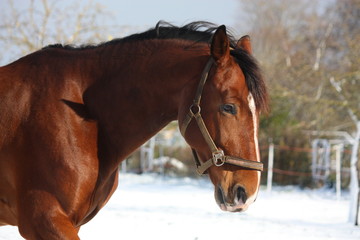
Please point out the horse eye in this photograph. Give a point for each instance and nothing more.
(228, 108)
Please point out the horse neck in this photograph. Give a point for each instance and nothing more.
(140, 90)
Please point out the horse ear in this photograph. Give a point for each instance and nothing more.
(245, 43)
(220, 44)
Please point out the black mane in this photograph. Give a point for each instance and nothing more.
(197, 32)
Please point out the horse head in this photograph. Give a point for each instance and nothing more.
(222, 123)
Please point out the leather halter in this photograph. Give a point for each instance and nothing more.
(218, 157)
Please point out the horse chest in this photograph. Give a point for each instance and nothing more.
(101, 195)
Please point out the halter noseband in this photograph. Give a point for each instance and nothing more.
(218, 157)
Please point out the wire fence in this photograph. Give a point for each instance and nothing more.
(294, 165)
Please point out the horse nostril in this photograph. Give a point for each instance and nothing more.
(240, 194)
(220, 195)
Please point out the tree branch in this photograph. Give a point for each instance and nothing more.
(342, 98)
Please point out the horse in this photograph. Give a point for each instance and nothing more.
(71, 114)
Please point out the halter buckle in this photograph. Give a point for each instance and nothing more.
(218, 158)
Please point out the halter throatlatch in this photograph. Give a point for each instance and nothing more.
(218, 157)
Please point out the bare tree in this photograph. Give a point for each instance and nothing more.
(28, 26)
(345, 79)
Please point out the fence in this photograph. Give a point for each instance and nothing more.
(325, 162)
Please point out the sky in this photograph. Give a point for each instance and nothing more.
(145, 12)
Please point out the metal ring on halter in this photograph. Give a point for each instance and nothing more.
(218, 158)
(198, 108)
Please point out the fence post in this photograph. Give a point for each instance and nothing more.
(270, 167)
(338, 150)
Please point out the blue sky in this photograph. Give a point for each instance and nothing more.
(145, 12)
(148, 12)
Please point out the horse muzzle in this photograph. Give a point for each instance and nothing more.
(234, 201)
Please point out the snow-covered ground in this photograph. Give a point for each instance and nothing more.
(154, 207)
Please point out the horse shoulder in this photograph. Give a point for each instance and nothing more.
(14, 105)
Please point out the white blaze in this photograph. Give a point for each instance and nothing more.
(252, 107)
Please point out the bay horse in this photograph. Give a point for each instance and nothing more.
(69, 115)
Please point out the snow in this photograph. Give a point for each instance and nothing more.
(155, 207)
